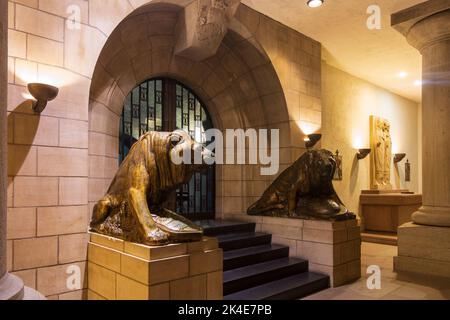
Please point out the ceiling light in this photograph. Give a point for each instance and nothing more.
(315, 3)
(402, 74)
(418, 83)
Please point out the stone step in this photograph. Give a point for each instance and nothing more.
(235, 241)
(251, 255)
(289, 288)
(218, 227)
(257, 274)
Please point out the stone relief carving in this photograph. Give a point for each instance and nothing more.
(133, 208)
(304, 190)
(203, 26)
(381, 155)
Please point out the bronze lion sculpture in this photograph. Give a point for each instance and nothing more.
(133, 209)
(304, 190)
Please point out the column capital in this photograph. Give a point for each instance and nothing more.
(424, 24)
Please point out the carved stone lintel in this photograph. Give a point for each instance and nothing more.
(202, 27)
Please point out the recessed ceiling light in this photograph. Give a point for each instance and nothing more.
(315, 3)
(418, 83)
(402, 74)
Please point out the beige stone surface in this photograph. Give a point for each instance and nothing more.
(394, 286)
(193, 288)
(53, 280)
(30, 129)
(28, 191)
(91, 295)
(154, 272)
(73, 133)
(72, 248)
(60, 8)
(109, 242)
(124, 271)
(45, 51)
(17, 44)
(155, 253)
(73, 191)
(75, 295)
(22, 160)
(104, 257)
(340, 88)
(39, 23)
(28, 277)
(21, 223)
(102, 280)
(205, 262)
(62, 162)
(423, 249)
(35, 252)
(61, 220)
(214, 289)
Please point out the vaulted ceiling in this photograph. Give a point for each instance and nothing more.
(382, 57)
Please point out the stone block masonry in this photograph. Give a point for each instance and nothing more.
(121, 270)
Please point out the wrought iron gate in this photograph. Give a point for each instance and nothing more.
(165, 105)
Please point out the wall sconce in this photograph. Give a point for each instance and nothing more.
(43, 93)
(362, 153)
(312, 139)
(399, 157)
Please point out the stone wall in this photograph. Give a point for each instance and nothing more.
(347, 104)
(263, 76)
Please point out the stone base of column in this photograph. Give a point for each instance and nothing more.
(121, 270)
(423, 249)
(432, 216)
(11, 287)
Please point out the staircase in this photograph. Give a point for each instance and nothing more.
(256, 269)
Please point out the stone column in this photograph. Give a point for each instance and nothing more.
(431, 36)
(423, 246)
(11, 287)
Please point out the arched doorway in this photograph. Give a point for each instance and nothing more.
(164, 104)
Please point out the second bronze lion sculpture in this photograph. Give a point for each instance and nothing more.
(304, 190)
(133, 208)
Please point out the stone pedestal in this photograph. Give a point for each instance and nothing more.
(423, 249)
(386, 212)
(426, 27)
(332, 248)
(120, 270)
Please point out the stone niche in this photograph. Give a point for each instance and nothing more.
(121, 270)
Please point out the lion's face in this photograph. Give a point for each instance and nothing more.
(321, 170)
(193, 156)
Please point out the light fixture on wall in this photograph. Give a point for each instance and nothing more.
(399, 157)
(312, 139)
(362, 153)
(43, 93)
(315, 3)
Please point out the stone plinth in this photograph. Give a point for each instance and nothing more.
(423, 249)
(386, 212)
(332, 248)
(121, 270)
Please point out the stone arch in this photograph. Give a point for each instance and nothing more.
(238, 85)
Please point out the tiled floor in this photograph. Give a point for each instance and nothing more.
(393, 286)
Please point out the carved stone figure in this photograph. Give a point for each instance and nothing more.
(381, 155)
(304, 190)
(133, 206)
(202, 27)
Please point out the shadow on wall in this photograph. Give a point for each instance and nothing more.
(354, 174)
(16, 157)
